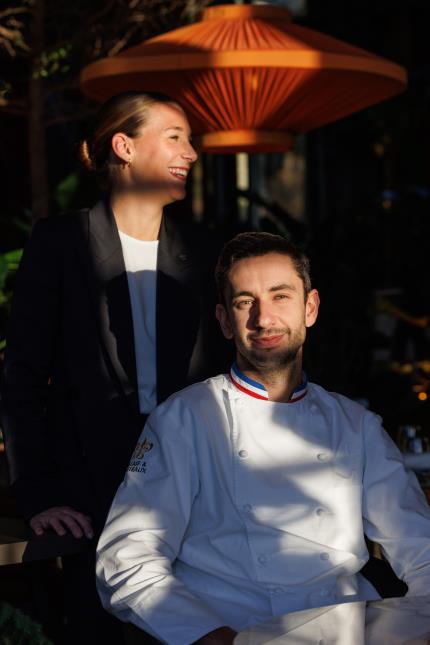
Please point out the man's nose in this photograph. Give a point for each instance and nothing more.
(263, 315)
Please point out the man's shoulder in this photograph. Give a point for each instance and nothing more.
(354, 410)
(197, 392)
(193, 399)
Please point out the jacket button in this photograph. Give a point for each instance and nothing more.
(243, 454)
(324, 556)
(320, 511)
(322, 456)
(262, 559)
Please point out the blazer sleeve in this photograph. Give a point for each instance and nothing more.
(144, 532)
(31, 340)
(395, 511)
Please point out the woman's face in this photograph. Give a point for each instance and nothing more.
(162, 154)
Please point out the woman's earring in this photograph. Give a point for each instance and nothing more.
(129, 163)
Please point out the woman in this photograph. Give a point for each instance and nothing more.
(112, 313)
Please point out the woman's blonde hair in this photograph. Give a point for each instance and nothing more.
(126, 112)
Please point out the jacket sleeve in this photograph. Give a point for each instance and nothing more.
(33, 326)
(144, 533)
(395, 511)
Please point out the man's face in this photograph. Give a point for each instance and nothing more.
(266, 311)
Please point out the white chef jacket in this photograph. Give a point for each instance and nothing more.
(395, 621)
(236, 509)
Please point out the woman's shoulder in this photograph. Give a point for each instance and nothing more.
(61, 221)
(54, 228)
(204, 243)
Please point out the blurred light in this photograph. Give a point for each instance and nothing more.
(378, 149)
(386, 204)
(423, 396)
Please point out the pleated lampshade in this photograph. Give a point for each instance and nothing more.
(248, 78)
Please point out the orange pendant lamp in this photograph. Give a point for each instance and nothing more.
(248, 78)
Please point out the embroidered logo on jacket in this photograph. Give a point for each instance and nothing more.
(137, 465)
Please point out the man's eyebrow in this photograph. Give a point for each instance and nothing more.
(174, 127)
(283, 287)
(240, 294)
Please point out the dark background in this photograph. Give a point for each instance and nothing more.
(367, 194)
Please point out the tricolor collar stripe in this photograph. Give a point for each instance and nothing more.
(249, 392)
(297, 397)
(258, 391)
(300, 391)
(246, 379)
(247, 385)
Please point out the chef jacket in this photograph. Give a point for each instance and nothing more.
(236, 509)
(395, 621)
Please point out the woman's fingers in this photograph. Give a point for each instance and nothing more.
(62, 519)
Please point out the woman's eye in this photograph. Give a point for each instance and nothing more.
(174, 136)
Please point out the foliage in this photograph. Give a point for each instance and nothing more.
(52, 40)
(18, 629)
(66, 191)
(9, 263)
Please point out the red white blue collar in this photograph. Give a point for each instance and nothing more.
(258, 391)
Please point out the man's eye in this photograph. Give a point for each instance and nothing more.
(174, 136)
(281, 296)
(241, 304)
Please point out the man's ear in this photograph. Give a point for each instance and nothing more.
(224, 321)
(312, 307)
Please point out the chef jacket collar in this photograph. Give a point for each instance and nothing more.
(258, 391)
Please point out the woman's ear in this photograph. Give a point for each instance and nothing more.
(122, 147)
(224, 321)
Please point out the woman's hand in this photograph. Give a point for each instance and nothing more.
(220, 636)
(62, 519)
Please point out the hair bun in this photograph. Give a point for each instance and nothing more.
(85, 156)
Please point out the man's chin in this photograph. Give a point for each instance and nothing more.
(271, 358)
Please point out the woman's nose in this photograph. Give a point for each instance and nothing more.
(190, 154)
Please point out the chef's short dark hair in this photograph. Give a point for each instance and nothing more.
(256, 244)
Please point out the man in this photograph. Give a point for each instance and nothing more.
(248, 495)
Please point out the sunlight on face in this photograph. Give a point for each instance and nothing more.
(163, 154)
(267, 314)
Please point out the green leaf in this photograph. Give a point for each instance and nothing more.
(13, 258)
(4, 270)
(66, 190)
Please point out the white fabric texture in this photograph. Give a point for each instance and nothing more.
(235, 510)
(140, 258)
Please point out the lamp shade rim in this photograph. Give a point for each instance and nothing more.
(245, 140)
(297, 59)
(234, 11)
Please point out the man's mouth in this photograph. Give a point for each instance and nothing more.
(179, 173)
(267, 341)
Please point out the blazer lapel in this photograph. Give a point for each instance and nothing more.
(178, 307)
(107, 280)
